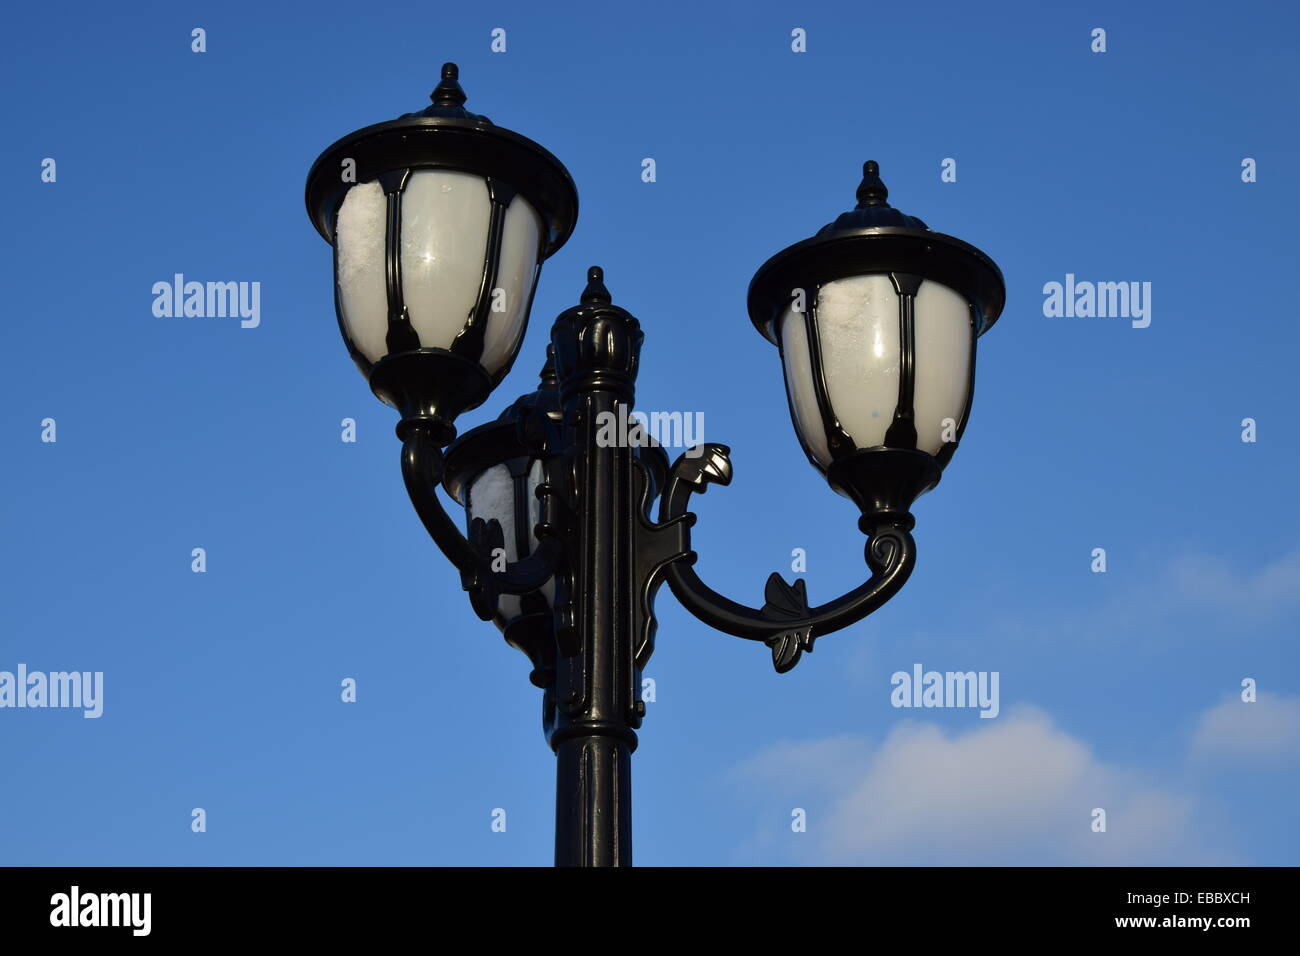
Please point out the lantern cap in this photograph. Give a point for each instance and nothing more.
(448, 99)
(873, 209)
(874, 239)
(444, 135)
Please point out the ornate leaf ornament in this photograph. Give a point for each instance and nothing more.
(787, 603)
(485, 537)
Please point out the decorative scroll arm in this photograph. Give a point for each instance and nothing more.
(422, 469)
(785, 623)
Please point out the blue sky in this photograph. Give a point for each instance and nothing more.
(1118, 690)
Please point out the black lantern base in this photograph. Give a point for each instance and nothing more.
(430, 388)
(883, 483)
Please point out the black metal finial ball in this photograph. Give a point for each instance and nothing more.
(549, 378)
(872, 191)
(449, 92)
(596, 291)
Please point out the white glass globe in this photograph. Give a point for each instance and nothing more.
(445, 219)
(859, 339)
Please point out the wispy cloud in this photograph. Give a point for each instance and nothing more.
(1191, 586)
(1208, 581)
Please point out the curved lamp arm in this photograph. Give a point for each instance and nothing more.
(785, 623)
(422, 469)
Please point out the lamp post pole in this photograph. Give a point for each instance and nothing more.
(605, 630)
(596, 692)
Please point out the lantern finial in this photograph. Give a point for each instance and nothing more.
(549, 378)
(449, 93)
(872, 191)
(596, 291)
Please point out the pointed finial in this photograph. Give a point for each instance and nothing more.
(596, 291)
(872, 191)
(549, 377)
(449, 93)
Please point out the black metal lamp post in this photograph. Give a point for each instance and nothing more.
(439, 222)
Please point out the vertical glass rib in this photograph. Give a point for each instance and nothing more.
(902, 430)
(402, 336)
(469, 340)
(837, 439)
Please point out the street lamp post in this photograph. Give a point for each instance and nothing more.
(440, 221)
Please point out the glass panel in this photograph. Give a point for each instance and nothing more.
(857, 325)
(799, 385)
(943, 344)
(361, 281)
(515, 278)
(444, 243)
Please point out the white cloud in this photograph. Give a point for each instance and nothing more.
(1013, 791)
(1264, 732)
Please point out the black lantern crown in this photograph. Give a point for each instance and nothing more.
(597, 344)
